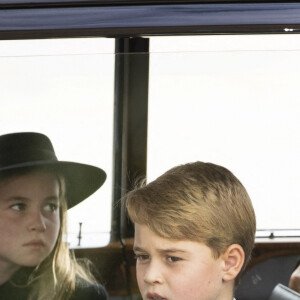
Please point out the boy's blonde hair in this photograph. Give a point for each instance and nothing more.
(201, 202)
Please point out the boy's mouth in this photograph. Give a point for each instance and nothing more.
(154, 296)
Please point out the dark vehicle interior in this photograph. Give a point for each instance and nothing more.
(132, 24)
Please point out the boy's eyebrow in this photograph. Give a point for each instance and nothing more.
(138, 249)
(171, 250)
(167, 250)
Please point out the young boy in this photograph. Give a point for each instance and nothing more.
(194, 233)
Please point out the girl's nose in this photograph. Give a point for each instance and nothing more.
(36, 222)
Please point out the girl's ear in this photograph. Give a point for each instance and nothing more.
(233, 260)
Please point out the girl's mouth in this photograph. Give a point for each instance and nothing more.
(154, 296)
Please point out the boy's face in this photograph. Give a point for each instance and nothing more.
(176, 270)
(29, 219)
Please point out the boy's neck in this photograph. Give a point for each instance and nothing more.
(227, 291)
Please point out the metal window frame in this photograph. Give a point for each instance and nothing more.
(92, 18)
(127, 21)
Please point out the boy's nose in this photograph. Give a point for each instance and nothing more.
(153, 274)
(36, 222)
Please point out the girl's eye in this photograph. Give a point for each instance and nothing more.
(51, 207)
(141, 257)
(18, 206)
(173, 259)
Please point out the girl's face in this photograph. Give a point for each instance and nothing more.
(29, 219)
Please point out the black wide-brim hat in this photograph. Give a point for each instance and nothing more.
(23, 150)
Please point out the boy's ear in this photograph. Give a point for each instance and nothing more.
(233, 260)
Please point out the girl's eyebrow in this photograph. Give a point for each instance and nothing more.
(20, 198)
(52, 198)
(17, 198)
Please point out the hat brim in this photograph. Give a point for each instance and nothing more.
(81, 180)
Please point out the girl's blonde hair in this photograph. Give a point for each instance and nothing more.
(55, 278)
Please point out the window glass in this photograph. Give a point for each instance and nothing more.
(64, 88)
(233, 101)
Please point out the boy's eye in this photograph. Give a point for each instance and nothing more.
(18, 206)
(173, 259)
(51, 207)
(141, 257)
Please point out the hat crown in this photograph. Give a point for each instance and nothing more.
(25, 147)
(22, 150)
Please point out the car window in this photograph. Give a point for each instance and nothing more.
(231, 100)
(64, 88)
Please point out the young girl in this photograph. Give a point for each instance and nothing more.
(35, 191)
